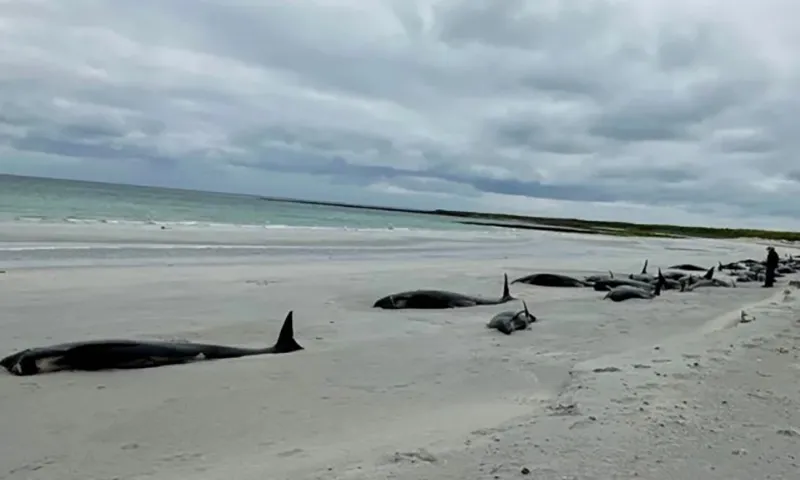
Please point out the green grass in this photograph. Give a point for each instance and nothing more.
(576, 225)
(624, 229)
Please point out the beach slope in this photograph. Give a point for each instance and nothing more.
(669, 388)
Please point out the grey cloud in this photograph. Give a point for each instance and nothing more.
(473, 102)
(671, 114)
(745, 141)
(639, 173)
(542, 138)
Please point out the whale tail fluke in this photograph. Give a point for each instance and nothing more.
(286, 342)
(530, 317)
(506, 291)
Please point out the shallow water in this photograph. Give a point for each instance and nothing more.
(42, 200)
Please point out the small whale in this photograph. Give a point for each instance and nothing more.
(551, 280)
(688, 267)
(713, 282)
(731, 266)
(510, 321)
(642, 276)
(707, 280)
(668, 283)
(674, 275)
(626, 292)
(438, 299)
(591, 279)
(610, 283)
(97, 355)
(690, 280)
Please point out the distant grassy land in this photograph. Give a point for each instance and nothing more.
(575, 225)
(616, 228)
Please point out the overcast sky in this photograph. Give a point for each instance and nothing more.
(641, 110)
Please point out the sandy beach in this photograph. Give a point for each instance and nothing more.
(670, 388)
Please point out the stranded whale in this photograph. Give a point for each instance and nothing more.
(627, 292)
(435, 299)
(510, 321)
(96, 355)
(551, 280)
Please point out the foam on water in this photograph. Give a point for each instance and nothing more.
(38, 200)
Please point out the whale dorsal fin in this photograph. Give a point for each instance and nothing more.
(286, 342)
(506, 292)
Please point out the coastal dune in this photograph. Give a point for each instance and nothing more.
(407, 394)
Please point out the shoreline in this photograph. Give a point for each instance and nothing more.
(41, 245)
(577, 225)
(375, 394)
(457, 219)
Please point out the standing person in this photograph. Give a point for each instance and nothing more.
(772, 264)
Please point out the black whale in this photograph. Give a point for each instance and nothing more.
(436, 299)
(129, 354)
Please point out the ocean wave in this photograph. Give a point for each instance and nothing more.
(432, 230)
(143, 246)
(202, 224)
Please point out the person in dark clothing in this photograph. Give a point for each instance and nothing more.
(772, 264)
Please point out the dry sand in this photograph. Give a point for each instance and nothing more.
(673, 388)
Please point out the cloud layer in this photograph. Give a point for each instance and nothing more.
(647, 110)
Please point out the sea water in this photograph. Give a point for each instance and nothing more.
(28, 199)
(49, 222)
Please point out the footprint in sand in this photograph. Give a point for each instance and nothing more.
(414, 456)
(723, 351)
(561, 409)
(649, 386)
(625, 400)
(606, 370)
(291, 453)
(583, 423)
(182, 457)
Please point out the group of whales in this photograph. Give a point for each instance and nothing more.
(96, 355)
(112, 354)
(642, 285)
(646, 285)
